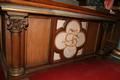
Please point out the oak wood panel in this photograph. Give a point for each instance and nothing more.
(37, 41)
(92, 37)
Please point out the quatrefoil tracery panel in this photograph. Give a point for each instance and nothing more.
(70, 39)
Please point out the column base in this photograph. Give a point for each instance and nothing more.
(16, 72)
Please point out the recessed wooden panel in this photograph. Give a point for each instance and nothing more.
(92, 37)
(37, 41)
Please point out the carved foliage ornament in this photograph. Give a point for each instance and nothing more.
(16, 23)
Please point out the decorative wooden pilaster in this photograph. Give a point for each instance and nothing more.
(16, 24)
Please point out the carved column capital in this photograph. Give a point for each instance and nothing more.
(16, 22)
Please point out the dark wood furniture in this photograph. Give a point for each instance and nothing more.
(37, 34)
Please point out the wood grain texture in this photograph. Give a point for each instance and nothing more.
(92, 35)
(16, 57)
(22, 48)
(37, 41)
(8, 47)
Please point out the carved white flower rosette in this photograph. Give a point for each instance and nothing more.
(70, 39)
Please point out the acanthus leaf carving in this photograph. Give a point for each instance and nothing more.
(16, 23)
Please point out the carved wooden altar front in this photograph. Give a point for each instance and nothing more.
(39, 34)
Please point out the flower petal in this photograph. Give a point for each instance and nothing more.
(80, 39)
(69, 52)
(73, 27)
(60, 40)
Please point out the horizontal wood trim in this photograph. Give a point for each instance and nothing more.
(60, 6)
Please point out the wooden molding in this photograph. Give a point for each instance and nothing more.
(60, 6)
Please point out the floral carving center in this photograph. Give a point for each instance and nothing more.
(71, 38)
